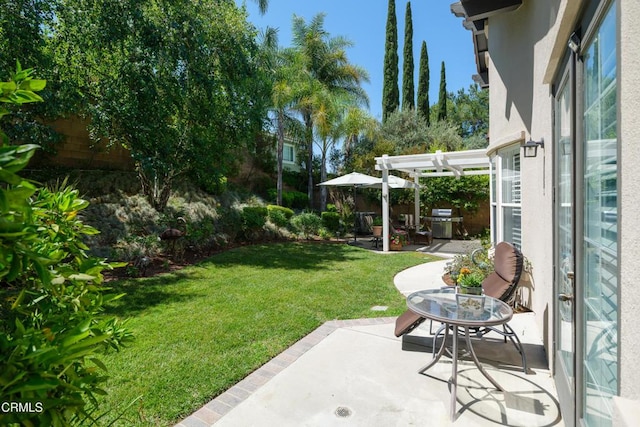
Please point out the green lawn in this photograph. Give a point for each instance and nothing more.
(202, 329)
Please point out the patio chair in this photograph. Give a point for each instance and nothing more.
(395, 231)
(501, 284)
(424, 235)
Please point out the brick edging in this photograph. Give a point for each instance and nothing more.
(214, 410)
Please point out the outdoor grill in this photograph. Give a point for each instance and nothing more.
(442, 223)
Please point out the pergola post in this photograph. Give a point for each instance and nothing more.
(416, 199)
(385, 210)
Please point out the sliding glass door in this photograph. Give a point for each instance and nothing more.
(586, 226)
(600, 235)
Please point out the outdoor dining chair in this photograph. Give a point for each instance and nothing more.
(424, 235)
(396, 231)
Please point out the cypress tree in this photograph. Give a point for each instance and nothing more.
(408, 92)
(390, 91)
(423, 83)
(442, 100)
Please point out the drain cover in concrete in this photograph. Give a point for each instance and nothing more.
(343, 411)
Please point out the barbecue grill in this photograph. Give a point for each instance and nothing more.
(442, 223)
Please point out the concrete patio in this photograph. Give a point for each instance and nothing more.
(357, 373)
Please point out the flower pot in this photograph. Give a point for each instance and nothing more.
(475, 290)
(377, 230)
(395, 246)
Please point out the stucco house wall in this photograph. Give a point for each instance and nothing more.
(629, 188)
(526, 49)
(521, 109)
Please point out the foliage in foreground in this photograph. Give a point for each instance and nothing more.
(204, 328)
(51, 299)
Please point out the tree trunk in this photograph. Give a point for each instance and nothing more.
(157, 189)
(308, 121)
(280, 157)
(323, 177)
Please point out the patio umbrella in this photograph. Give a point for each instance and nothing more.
(395, 182)
(355, 180)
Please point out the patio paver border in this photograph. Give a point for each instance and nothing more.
(211, 412)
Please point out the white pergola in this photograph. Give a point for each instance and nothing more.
(455, 163)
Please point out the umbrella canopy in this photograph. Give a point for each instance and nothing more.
(395, 182)
(353, 179)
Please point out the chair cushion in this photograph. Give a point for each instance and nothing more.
(507, 261)
(407, 322)
(495, 286)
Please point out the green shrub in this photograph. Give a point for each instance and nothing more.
(132, 249)
(229, 224)
(253, 220)
(51, 298)
(278, 218)
(288, 213)
(325, 234)
(299, 200)
(331, 220)
(290, 199)
(307, 223)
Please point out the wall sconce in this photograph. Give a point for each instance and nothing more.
(574, 43)
(531, 147)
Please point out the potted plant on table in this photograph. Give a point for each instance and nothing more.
(470, 281)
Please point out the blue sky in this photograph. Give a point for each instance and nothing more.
(363, 22)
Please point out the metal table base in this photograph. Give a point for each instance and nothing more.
(454, 364)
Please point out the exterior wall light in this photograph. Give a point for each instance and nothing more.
(574, 43)
(531, 147)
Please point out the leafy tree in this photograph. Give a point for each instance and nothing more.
(471, 111)
(442, 98)
(408, 92)
(460, 193)
(329, 72)
(390, 92)
(423, 84)
(409, 134)
(24, 27)
(407, 131)
(176, 82)
(444, 135)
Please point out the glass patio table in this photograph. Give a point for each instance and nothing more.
(457, 311)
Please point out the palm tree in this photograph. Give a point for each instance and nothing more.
(357, 122)
(287, 71)
(262, 5)
(328, 116)
(327, 67)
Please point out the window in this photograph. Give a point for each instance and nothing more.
(506, 196)
(288, 153)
